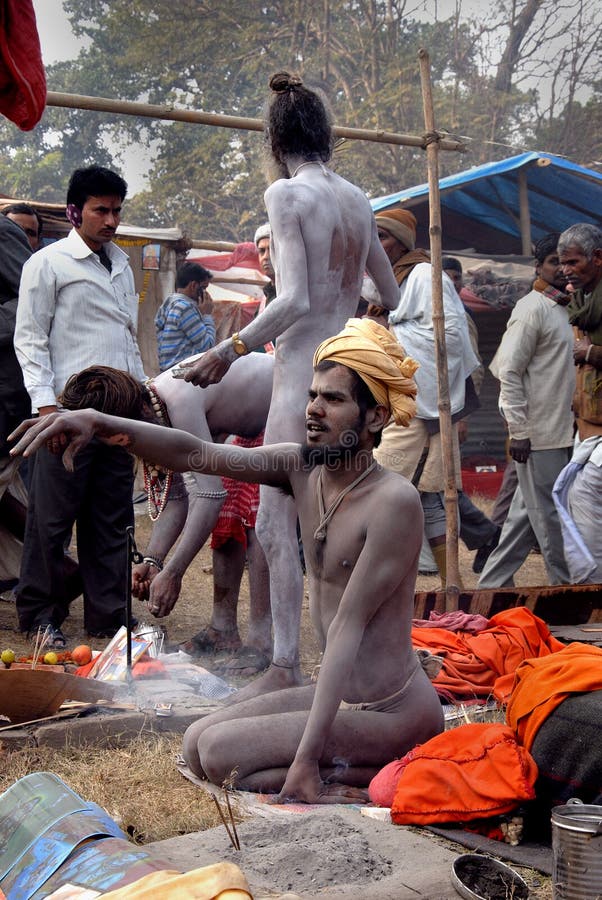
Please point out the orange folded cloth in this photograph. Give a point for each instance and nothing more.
(473, 663)
(470, 772)
(542, 684)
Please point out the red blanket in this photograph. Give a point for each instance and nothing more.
(478, 665)
(22, 76)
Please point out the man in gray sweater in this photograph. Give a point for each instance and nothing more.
(534, 364)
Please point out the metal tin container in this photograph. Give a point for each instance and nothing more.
(577, 848)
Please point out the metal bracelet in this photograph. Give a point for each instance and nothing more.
(211, 495)
(153, 561)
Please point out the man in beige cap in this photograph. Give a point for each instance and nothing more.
(416, 451)
(372, 701)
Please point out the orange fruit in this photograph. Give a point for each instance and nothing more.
(81, 655)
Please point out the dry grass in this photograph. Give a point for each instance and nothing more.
(139, 785)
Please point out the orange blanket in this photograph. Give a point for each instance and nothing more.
(542, 684)
(471, 772)
(478, 665)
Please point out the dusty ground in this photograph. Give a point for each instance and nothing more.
(313, 857)
(194, 606)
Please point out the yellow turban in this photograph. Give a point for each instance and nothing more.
(379, 360)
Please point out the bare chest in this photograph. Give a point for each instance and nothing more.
(333, 542)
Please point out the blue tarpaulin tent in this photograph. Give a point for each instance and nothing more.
(500, 207)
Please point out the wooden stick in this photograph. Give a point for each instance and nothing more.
(35, 649)
(445, 423)
(41, 640)
(223, 818)
(230, 813)
(60, 714)
(153, 111)
(213, 245)
(525, 215)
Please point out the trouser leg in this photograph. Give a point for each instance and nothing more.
(435, 529)
(476, 529)
(107, 511)
(584, 503)
(55, 497)
(536, 479)
(515, 542)
(505, 494)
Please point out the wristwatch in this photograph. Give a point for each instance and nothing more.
(238, 345)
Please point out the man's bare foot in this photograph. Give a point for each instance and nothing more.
(210, 640)
(275, 679)
(246, 662)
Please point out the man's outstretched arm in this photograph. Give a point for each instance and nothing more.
(170, 448)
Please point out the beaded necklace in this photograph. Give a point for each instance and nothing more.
(327, 514)
(312, 162)
(157, 481)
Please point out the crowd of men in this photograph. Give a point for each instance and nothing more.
(358, 465)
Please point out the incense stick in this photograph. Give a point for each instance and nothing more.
(226, 788)
(40, 643)
(223, 818)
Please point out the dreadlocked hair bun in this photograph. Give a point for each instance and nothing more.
(107, 390)
(283, 81)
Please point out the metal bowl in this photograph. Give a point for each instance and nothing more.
(479, 877)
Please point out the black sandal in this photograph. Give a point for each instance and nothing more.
(55, 639)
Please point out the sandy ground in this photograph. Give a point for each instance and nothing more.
(334, 852)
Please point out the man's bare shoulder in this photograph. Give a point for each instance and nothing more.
(287, 187)
(395, 490)
(280, 188)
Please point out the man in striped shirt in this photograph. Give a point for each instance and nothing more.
(184, 322)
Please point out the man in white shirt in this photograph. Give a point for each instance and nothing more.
(77, 307)
(534, 364)
(416, 451)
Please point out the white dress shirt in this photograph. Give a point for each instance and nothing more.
(73, 313)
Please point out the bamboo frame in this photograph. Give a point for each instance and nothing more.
(433, 143)
(451, 495)
(525, 215)
(170, 113)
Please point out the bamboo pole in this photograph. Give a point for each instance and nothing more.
(451, 495)
(152, 111)
(220, 246)
(525, 215)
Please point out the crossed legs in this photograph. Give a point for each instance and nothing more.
(254, 742)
